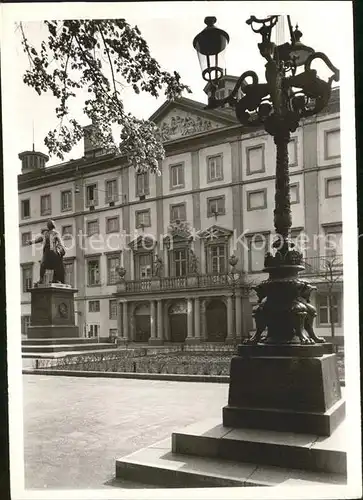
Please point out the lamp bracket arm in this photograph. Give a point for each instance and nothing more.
(325, 58)
(267, 24)
(231, 98)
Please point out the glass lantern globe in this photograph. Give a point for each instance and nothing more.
(210, 45)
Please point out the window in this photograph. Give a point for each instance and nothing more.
(180, 262)
(91, 195)
(297, 237)
(93, 268)
(93, 331)
(216, 206)
(332, 144)
(45, 205)
(143, 218)
(215, 168)
(257, 247)
(294, 193)
(177, 176)
(142, 183)
(94, 306)
(27, 277)
(112, 225)
(25, 237)
(333, 187)
(255, 159)
(257, 200)
(292, 152)
(66, 200)
(69, 272)
(92, 227)
(217, 263)
(220, 94)
(67, 231)
(144, 269)
(333, 241)
(111, 190)
(113, 332)
(25, 209)
(113, 261)
(328, 309)
(113, 309)
(177, 212)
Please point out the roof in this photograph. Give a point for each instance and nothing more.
(195, 107)
(84, 165)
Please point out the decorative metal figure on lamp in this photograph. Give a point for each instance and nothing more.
(278, 105)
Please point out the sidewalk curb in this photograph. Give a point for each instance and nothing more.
(178, 377)
(224, 379)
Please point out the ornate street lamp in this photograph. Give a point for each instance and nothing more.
(278, 105)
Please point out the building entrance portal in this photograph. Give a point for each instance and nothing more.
(216, 313)
(142, 323)
(178, 321)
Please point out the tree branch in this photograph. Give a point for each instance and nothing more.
(109, 58)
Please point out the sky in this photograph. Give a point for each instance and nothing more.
(169, 29)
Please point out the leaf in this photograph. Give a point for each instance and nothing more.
(86, 55)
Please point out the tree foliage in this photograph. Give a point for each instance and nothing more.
(101, 57)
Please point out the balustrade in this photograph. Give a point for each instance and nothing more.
(320, 265)
(180, 283)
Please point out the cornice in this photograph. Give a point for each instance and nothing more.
(232, 131)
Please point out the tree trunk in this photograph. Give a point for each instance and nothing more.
(332, 325)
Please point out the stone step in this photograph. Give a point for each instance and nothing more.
(158, 465)
(66, 347)
(211, 439)
(51, 341)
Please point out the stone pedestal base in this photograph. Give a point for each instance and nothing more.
(52, 312)
(52, 332)
(192, 341)
(291, 388)
(156, 342)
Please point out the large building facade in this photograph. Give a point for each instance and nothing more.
(172, 258)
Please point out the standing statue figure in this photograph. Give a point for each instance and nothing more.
(53, 253)
(158, 265)
(193, 262)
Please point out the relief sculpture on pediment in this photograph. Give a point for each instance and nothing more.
(181, 126)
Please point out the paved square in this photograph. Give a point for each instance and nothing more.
(76, 427)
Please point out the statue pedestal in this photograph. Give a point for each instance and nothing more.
(52, 312)
(285, 388)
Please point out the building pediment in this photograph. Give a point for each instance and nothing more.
(178, 231)
(184, 117)
(143, 243)
(215, 233)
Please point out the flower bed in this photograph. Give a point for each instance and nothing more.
(144, 360)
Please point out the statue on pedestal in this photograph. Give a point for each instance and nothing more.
(193, 262)
(53, 253)
(158, 266)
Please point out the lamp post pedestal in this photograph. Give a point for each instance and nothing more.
(285, 387)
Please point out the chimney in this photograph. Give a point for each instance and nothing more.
(91, 149)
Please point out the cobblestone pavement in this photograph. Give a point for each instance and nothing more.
(75, 428)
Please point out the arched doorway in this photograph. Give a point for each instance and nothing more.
(216, 314)
(142, 323)
(178, 321)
